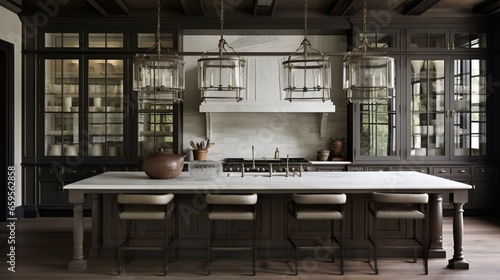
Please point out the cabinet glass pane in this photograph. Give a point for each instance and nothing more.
(427, 108)
(61, 94)
(105, 92)
(428, 40)
(378, 129)
(379, 40)
(62, 40)
(469, 107)
(105, 40)
(469, 40)
(156, 127)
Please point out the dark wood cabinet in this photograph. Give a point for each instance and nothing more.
(85, 117)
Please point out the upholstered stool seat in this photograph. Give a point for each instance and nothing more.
(145, 207)
(400, 206)
(319, 207)
(231, 207)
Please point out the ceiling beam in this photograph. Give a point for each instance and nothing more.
(487, 7)
(110, 7)
(98, 7)
(417, 7)
(340, 7)
(14, 6)
(189, 7)
(264, 7)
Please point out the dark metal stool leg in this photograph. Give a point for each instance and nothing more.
(209, 251)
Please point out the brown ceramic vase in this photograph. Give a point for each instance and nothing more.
(162, 165)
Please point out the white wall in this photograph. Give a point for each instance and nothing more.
(10, 31)
(296, 134)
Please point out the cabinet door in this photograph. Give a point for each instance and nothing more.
(427, 107)
(105, 107)
(468, 108)
(437, 39)
(375, 133)
(157, 127)
(61, 95)
(468, 39)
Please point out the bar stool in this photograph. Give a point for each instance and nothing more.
(231, 207)
(400, 206)
(134, 207)
(320, 207)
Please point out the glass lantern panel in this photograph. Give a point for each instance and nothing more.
(222, 77)
(306, 78)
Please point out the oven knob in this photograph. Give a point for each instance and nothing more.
(264, 169)
(283, 169)
(293, 168)
(238, 169)
(247, 169)
(230, 169)
(257, 169)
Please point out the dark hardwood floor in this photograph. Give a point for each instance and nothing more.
(44, 247)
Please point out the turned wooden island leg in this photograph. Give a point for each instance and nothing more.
(78, 263)
(436, 226)
(458, 261)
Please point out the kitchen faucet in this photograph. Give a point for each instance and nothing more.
(253, 157)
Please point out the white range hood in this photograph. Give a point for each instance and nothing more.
(257, 106)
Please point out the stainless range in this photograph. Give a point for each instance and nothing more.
(266, 165)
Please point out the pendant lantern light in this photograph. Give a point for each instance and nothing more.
(368, 76)
(306, 72)
(159, 78)
(222, 76)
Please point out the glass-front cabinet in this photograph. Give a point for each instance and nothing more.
(83, 109)
(447, 107)
(445, 39)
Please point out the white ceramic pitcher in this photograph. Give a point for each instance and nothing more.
(95, 149)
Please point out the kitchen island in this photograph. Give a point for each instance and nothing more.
(353, 184)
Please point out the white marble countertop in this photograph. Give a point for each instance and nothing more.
(350, 182)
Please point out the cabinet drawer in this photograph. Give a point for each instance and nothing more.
(441, 171)
(378, 168)
(482, 171)
(461, 171)
(355, 168)
(411, 168)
